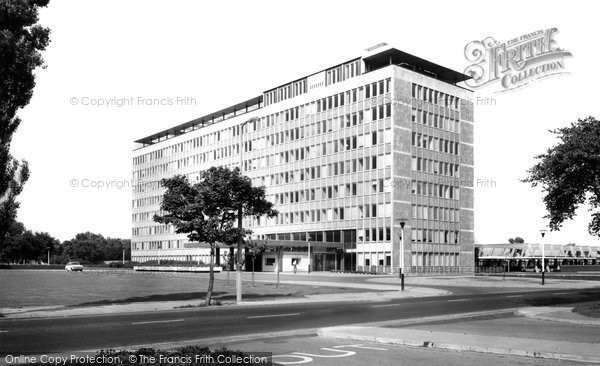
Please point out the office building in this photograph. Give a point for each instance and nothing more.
(352, 156)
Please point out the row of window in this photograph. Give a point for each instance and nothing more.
(433, 166)
(421, 212)
(435, 190)
(285, 92)
(327, 103)
(371, 210)
(435, 143)
(334, 191)
(342, 72)
(435, 236)
(433, 96)
(435, 120)
(345, 144)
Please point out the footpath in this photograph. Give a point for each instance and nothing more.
(538, 332)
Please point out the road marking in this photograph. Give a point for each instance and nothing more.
(559, 293)
(272, 316)
(515, 296)
(458, 300)
(159, 321)
(3, 331)
(384, 305)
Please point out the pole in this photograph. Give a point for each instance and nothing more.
(401, 256)
(48, 256)
(238, 278)
(309, 257)
(123, 255)
(543, 258)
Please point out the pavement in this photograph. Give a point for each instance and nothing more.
(534, 333)
(493, 282)
(562, 314)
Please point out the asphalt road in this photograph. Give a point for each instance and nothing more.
(53, 335)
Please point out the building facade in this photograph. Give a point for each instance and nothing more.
(369, 163)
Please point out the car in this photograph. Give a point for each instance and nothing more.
(74, 266)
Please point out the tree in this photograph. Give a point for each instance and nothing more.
(569, 173)
(93, 248)
(256, 248)
(519, 240)
(21, 43)
(208, 210)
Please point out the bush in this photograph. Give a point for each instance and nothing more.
(167, 263)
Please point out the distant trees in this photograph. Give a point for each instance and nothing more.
(569, 173)
(23, 246)
(93, 248)
(516, 240)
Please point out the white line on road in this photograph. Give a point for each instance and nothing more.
(515, 296)
(3, 331)
(384, 305)
(559, 293)
(159, 321)
(458, 300)
(272, 316)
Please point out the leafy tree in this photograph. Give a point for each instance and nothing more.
(208, 210)
(91, 247)
(519, 240)
(511, 241)
(21, 43)
(569, 173)
(255, 248)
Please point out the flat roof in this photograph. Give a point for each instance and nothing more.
(394, 56)
(209, 119)
(390, 56)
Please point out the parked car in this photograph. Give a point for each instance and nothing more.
(74, 266)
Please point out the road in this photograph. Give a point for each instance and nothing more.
(52, 335)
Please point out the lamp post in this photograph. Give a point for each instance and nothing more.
(238, 280)
(401, 266)
(309, 257)
(543, 233)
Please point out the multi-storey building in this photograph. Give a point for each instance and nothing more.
(352, 156)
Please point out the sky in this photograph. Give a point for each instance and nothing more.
(214, 54)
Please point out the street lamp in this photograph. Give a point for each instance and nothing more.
(238, 280)
(309, 257)
(401, 267)
(543, 233)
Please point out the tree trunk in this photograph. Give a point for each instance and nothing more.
(253, 272)
(278, 265)
(211, 278)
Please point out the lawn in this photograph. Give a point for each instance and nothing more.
(590, 309)
(27, 288)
